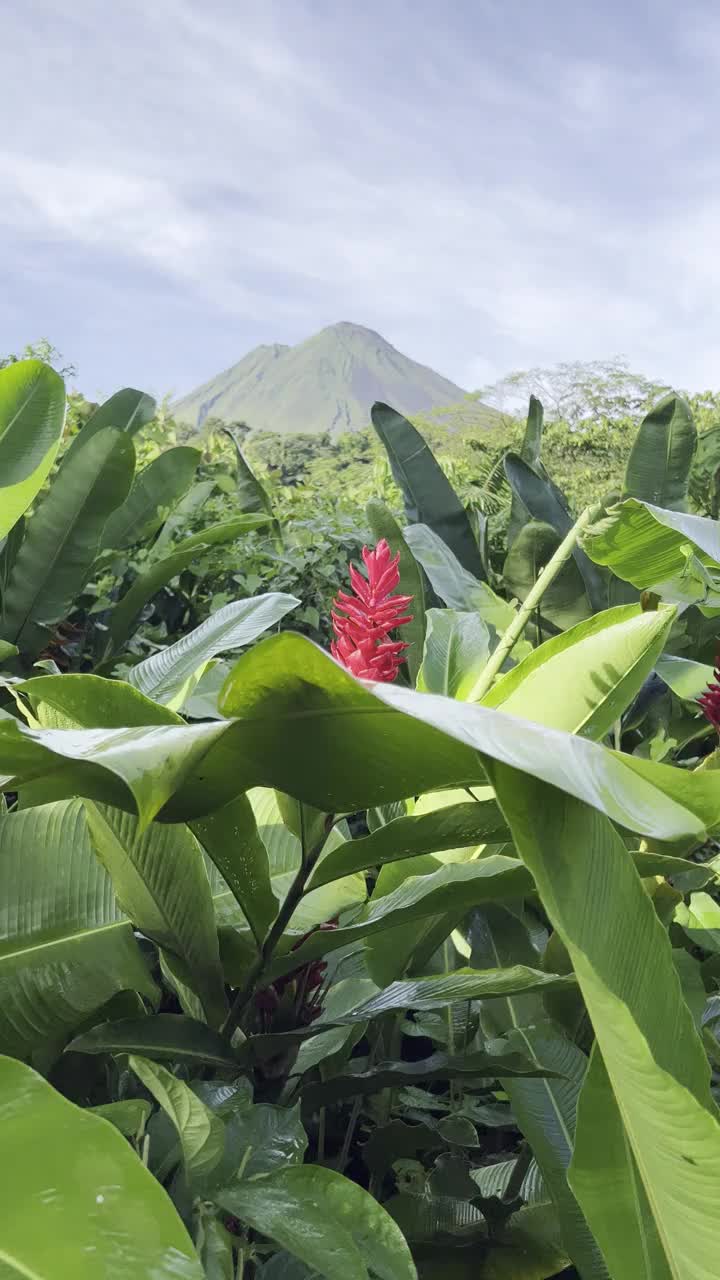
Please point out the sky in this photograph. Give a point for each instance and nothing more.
(490, 184)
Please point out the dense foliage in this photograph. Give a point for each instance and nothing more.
(304, 975)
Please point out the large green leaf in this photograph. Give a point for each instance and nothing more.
(79, 1202)
(83, 701)
(583, 680)
(32, 416)
(201, 1132)
(162, 571)
(251, 496)
(456, 827)
(384, 525)
(658, 469)
(437, 992)
(327, 1221)
(161, 1035)
(63, 537)
(452, 583)
(530, 453)
(310, 729)
(65, 946)
(127, 410)
(565, 602)
(545, 503)
(457, 647)
(160, 879)
(232, 841)
(669, 552)
(155, 492)
(165, 674)
(687, 679)
(427, 493)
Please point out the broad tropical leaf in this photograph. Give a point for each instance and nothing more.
(32, 416)
(457, 647)
(384, 525)
(80, 1203)
(164, 676)
(233, 843)
(658, 469)
(201, 1132)
(669, 552)
(565, 602)
(160, 1035)
(63, 538)
(530, 453)
(155, 492)
(427, 493)
(127, 410)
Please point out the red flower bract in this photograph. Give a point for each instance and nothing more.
(362, 622)
(710, 699)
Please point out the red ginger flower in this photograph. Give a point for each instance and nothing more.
(710, 699)
(362, 622)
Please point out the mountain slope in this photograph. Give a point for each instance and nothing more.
(327, 383)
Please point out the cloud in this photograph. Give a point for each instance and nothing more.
(490, 188)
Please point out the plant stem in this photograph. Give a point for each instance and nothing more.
(277, 929)
(517, 1177)
(509, 638)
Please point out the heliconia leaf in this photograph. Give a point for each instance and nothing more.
(32, 417)
(232, 841)
(384, 525)
(427, 493)
(65, 946)
(436, 992)
(84, 701)
(155, 492)
(651, 547)
(159, 1036)
(80, 1203)
(457, 647)
(251, 496)
(686, 678)
(63, 538)
(127, 410)
(294, 1206)
(452, 583)
(530, 453)
(658, 469)
(165, 673)
(201, 1132)
(565, 602)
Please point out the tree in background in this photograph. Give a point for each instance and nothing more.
(576, 390)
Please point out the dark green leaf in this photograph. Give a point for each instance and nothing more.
(658, 469)
(160, 1036)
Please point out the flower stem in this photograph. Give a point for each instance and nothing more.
(509, 638)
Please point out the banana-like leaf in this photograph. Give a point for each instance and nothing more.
(80, 1203)
(308, 728)
(427, 493)
(295, 1205)
(251, 496)
(160, 879)
(65, 946)
(658, 469)
(687, 679)
(232, 841)
(530, 453)
(452, 583)
(384, 525)
(545, 502)
(63, 538)
(84, 701)
(155, 492)
(32, 417)
(456, 827)
(565, 602)
(159, 1036)
(127, 410)
(188, 506)
(457, 647)
(160, 572)
(201, 1132)
(437, 992)
(165, 674)
(584, 679)
(669, 552)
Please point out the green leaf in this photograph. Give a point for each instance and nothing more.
(156, 490)
(461, 984)
(65, 946)
(127, 410)
(658, 469)
(457, 647)
(160, 572)
(159, 1036)
(32, 416)
(565, 602)
(75, 701)
(259, 1140)
(130, 1116)
(456, 827)
(251, 496)
(215, 1246)
(654, 549)
(384, 525)
(160, 879)
(546, 503)
(231, 840)
(80, 1203)
(295, 1207)
(427, 493)
(584, 679)
(530, 453)
(452, 583)
(201, 1133)
(687, 679)
(165, 673)
(63, 538)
